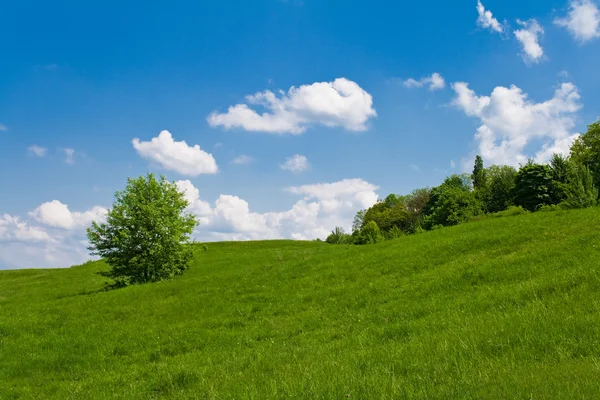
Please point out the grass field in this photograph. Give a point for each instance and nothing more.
(504, 308)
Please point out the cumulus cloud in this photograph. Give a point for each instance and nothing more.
(37, 150)
(582, 21)
(57, 215)
(176, 156)
(51, 237)
(435, 82)
(242, 160)
(296, 164)
(510, 122)
(341, 103)
(54, 236)
(486, 19)
(12, 228)
(322, 207)
(529, 37)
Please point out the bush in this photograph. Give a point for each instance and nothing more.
(338, 236)
(549, 208)
(146, 234)
(369, 234)
(393, 233)
(534, 186)
(451, 203)
(580, 191)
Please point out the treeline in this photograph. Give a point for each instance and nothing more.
(566, 182)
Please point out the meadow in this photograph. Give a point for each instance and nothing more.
(499, 308)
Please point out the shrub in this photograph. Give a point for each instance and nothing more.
(451, 203)
(393, 233)
(580, 191)
(338, 236)
(369, 234)
(534, 186)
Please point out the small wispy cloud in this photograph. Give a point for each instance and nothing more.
(414, 167)
(486, 19)
(296, 164)
(435, 82)
(529, 37)
(69, 156)
(242, 160)
(452, 164)
(3, 128)
(37, 150)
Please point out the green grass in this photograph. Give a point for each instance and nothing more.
(505, 308)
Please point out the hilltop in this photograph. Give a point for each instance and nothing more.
(499, 308)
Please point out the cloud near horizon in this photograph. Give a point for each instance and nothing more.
(510, 122)
(54, 236)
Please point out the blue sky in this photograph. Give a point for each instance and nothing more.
(519, 82)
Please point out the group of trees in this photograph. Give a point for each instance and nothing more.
(566, 182)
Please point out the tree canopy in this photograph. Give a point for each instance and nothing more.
(145, 236)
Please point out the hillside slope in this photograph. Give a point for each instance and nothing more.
(501, 308)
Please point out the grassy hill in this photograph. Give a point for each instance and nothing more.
(501, 308)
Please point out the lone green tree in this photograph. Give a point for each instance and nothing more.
(146, 234)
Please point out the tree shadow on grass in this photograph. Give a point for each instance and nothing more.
(107, 287)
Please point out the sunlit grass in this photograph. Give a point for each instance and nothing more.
(500, 308)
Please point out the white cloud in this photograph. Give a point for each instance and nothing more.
(323, 207)
(452, 164)
(3, 128)
(435, 82)
(53, 237)
(341, 103)
(296, 164)
(529, 37)
(486, 20)
(12, 228)
(69, 156)
(510, 122)
(582, 21)
(414, 167)
(243, 160)
(176, 156)
(57, 215)
(59, 239)
(37, 150)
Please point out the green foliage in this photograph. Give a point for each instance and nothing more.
(358, 221)
(586, 151)
(506, 308)
(501, 183)
(393, 233)
(534, 186)
(451, 203)
(415, 204)
(580, 191)
(479, 174)
(369, 234)
(560, 167)
(146, 235)
(510, 212)
(338, 236)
